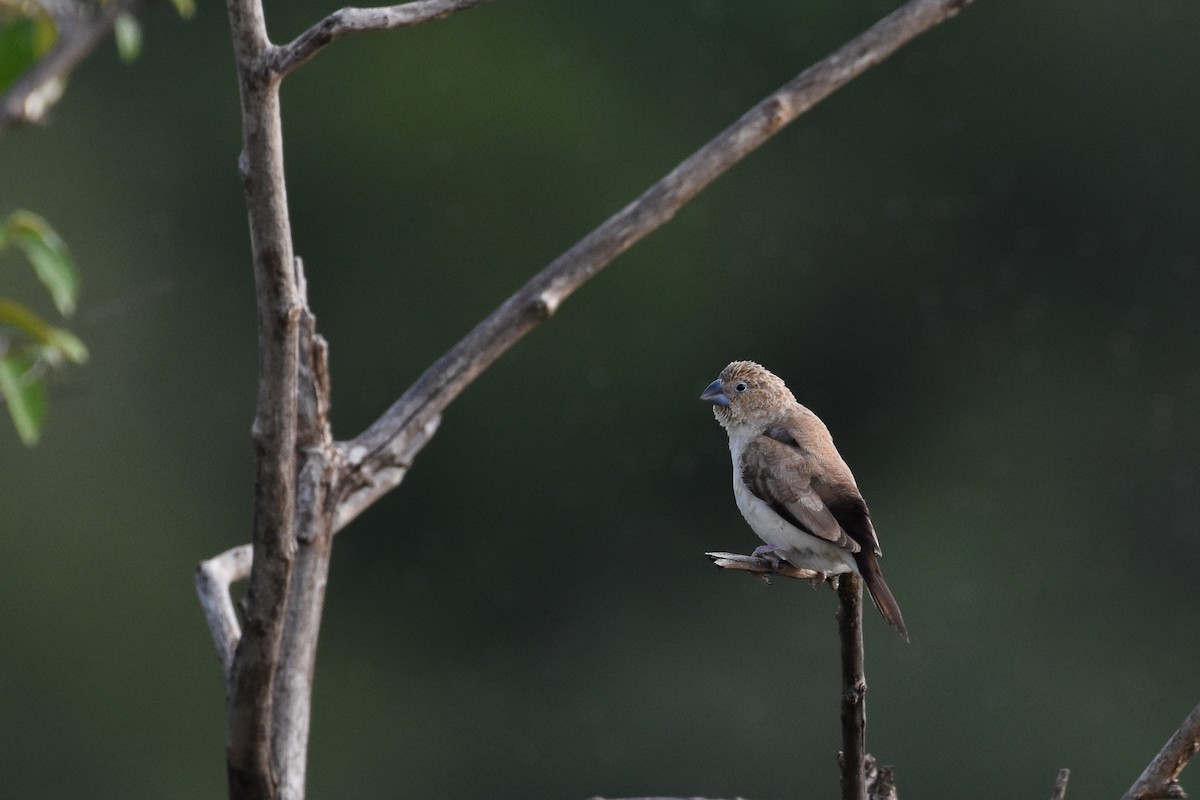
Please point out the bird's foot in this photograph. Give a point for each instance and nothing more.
(767, 553)
(820, 579)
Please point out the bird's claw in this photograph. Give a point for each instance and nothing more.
(767, 553)
(821, 577)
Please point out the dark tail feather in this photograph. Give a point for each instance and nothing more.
(872, 576)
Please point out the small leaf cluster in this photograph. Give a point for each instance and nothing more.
(30, 347)
(28, 32)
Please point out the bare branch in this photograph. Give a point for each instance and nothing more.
(213, 579)
(853, 759)
(1161, 777)
(347, 21)
(1060, 785)
(291, 708)
(81, 27)
(537, 300)
(251, 694)
(854, 689)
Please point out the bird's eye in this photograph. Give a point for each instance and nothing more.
(740, 386)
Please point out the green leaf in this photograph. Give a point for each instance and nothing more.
(68, 344)
(26, 399)
(128, 34)
(48, 253)
(20, 317)
(25, 36)
(186, 8)
(61, 343)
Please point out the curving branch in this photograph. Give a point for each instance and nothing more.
(81, 27)
(1161, 777)
(347, 21)
(213, 579)
(538, 299)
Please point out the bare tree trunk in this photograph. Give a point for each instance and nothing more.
(251, 768)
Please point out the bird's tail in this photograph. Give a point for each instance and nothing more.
(872, 576)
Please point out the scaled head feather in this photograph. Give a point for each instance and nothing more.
(756, 395)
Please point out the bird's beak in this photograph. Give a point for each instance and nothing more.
(714, 395)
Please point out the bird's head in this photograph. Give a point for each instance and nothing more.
(747, 394)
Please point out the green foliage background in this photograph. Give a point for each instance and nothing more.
(979, 264)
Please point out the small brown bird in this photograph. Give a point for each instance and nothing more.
(791, 484)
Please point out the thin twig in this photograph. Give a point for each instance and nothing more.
(762, 567)
(854, 688)
(213, 579)
(853, 758)
(81, 26)
(538, 299)
(1161, 777)
(1060, 784)
(347, 21)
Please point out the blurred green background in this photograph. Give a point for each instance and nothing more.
(979, 264)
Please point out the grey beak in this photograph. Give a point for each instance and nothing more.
(714, 395)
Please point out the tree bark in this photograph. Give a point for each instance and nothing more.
(854, 688)
(251, 767)
(1161, 776)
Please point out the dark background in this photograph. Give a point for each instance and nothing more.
(979, 264)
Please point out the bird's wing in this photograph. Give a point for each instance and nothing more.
(850, 510)
(781, 475)
(833, 482)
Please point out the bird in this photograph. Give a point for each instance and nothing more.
(793, 487)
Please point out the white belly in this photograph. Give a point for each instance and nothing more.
(797, 547)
